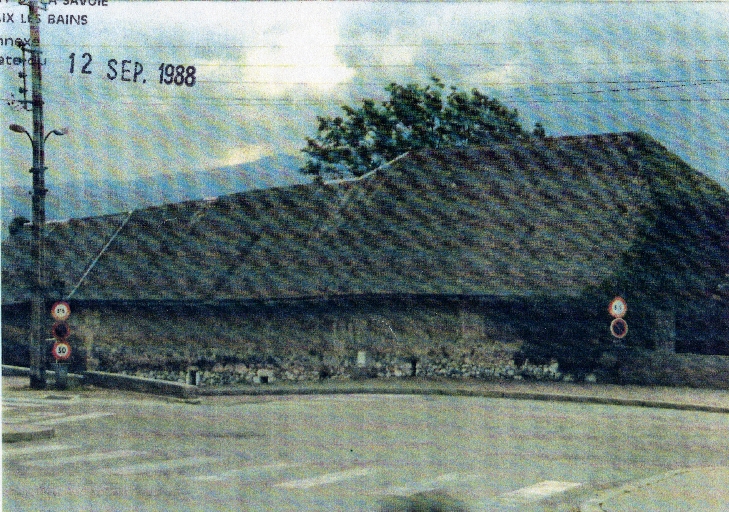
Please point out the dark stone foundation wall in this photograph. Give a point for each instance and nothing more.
(239, 343)
(310, 340)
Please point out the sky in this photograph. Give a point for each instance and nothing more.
(264, 71)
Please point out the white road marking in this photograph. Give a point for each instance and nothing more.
(31, 450)
(13, 403)
(164, 465)
(32, 417)
(83, 458)
(34, 402)
(325, 479)
(77, 417)
(539, 491)
(237, 473)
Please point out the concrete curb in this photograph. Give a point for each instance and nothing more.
(634, 488)
(186, 391)
(515, 395)
(117, 381)
(74, 379)
(141, 384)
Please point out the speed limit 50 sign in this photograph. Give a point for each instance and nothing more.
(61, 350)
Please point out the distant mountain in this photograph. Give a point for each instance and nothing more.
(90, 197)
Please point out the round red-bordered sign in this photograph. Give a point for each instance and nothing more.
(61, 331)
(618, 307)
(619, 328)
(60, 311)
(61, 350)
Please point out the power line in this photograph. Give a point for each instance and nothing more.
(414, 44)
(432, 64)
(629, 86)
(669, 83)
(157, 100)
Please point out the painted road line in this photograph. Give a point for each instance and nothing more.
(72, 419)
(326, 479)
(16, 403)
(538, 491)
(246, 472)
(34, 402)
(32, 450)
(84, 458)
(32, 417)
(164, 465)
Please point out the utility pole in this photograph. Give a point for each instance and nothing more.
(38, 300)
(37, 368)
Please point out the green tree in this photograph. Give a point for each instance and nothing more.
(16, 225)
(413, 117)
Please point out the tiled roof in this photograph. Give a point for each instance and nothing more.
(551, 216)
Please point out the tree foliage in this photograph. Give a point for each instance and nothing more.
(17, 224)
(413, 117)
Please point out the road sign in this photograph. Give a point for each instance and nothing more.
(61, 350)
(618, 307)
(61, 331)
(60, 311)
(619, 328)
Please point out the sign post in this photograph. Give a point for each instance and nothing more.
(61, 351)
(617, 309)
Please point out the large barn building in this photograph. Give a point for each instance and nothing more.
(520, 244)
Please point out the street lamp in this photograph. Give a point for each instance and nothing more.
(37, 369)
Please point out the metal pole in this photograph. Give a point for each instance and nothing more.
(37, 366)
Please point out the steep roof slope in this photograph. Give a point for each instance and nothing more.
(553, 216)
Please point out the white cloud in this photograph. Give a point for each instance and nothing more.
(242, 155)
(299, 49)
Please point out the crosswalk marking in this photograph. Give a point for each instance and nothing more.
(15, 404)
(74, 418)
(165, 465)
(325, 479)
(31, 417)
(539, 491)
(243, 472)
(32, 450)
(86, 457)
(37, 402)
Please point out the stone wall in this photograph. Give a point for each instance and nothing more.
(441, 363)
(661, 368)
(306, 341)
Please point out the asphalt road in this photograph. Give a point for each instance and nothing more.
(123, 451)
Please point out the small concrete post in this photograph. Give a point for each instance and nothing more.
(193, 377)
(664, 330)
(61, 375)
